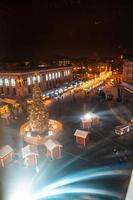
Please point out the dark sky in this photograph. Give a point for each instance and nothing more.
(46, 28)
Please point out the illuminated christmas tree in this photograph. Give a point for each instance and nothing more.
(38, 114)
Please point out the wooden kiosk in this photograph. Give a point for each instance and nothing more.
(82, 137)
(53, 149)
(122, 129)
(30, 154)
(86, 124)
(6, 155)
(89, 120)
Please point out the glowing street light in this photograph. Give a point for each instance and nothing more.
(50, 133)
(87, 116)
(21, 193)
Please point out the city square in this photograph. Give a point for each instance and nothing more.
(98, 152)
(66, 100)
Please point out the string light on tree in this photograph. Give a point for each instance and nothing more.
(38, 114)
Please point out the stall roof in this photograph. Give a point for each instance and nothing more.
(5, 150)
(81, 133)
(9, 101)
(29, 150)
(86, 120)
(51, 144)
(123, 126)
(5, 115)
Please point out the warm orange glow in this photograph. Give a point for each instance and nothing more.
(4, 109)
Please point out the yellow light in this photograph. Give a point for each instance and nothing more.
(4, 109)
(16, 105)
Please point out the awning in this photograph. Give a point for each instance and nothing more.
(127, 86)
(9, 101)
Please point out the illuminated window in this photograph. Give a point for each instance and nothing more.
(52, 75)
(13, 83)
(34, 79)
(68, 72)
(46, 77)
(38, 78)
(49, 76)
(28, 81)
(58, 74)
(1, 81)
(6, 82)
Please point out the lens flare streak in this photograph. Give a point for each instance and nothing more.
(95, 174)
(85, 175)
(71, 190)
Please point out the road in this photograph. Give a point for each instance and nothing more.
(98, 155)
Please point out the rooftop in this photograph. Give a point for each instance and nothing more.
(5, 150)
(51, 144)
(81, 133)
(23, 67)
(29, 150)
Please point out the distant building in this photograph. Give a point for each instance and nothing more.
(61, 62)
(18, 81)
(127, 81)
(128, 72)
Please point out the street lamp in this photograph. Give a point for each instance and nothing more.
(87, 116)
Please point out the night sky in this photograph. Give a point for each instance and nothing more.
(46, 28)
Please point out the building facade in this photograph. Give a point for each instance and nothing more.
(19, 84)
(128, 72)
(127, 82)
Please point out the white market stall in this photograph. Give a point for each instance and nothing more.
(82, 137)
(13, 104)
(122, 129)
(53, 149)
(89, 119)
(30, 154)
(6, 155)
